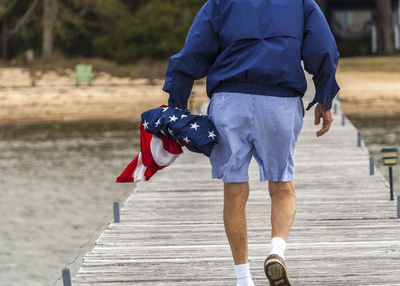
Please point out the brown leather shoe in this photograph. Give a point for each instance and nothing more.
(276, 272)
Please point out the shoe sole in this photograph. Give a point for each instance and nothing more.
(276, 273)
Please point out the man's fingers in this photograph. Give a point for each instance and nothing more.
(320, 111)
(317, 116)
(317, 120)
(326, 125)
(322, 131)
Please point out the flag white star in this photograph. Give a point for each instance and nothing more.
(173, 118)
(194, 126)
(170, 132)
(183, 116)
(165, 109)
(187, 140)
(202, 115)
(162, 132)
(177, 108)
(145, 125)
(158, 122)
(211, 134)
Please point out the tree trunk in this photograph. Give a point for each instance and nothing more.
(385, 26)
(50, 11)
(4, 40)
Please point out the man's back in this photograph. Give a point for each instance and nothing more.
(264, 38)
(259, 19)
(256, 46)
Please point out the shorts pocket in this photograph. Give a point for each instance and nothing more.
(211, 104)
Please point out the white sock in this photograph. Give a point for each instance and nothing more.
(243, 275)
(278, 246)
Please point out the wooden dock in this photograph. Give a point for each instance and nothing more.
(171, 230)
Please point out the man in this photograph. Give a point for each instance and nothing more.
(251, 52)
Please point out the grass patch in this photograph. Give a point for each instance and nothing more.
(370, 64)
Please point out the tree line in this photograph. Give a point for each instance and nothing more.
(119, 30)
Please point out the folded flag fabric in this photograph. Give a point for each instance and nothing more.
(156, 153)
(163, 132)
(197, 132)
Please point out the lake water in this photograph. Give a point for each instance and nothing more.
(57, 189)
(378, 132)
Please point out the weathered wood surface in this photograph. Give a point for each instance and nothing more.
(171, 230)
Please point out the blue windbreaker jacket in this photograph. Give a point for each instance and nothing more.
(256, 46)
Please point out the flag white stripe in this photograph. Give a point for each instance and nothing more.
(161, 156)
(139, 170)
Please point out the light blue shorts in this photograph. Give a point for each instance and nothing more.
(266, 127)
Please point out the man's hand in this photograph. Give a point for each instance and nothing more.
(321, 112)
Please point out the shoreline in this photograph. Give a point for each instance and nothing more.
(369, 92)
(55, 98)
(136, 119)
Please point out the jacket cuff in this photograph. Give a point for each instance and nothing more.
(311, 104)
(179, 88)
(325, 95)
(173, 103)
(328, 104)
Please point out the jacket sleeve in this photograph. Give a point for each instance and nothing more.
(320, 54)
(197, 55)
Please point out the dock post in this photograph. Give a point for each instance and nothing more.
(389, 156)
(359, 137)
(116, 211)
(371, 166)
(66, 275)
(343, 120)
(335, 109)
(391, 183)
(398, 207)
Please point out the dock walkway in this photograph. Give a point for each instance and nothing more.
(171, 230)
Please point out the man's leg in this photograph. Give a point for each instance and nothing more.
(235, 199)
(283, 209)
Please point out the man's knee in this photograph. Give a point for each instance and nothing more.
(236, 192)
(279, 188)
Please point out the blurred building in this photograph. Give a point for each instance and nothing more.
(354, 26)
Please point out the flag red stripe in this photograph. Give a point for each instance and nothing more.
(127, 174)
(165, 154)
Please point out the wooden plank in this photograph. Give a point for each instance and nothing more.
(171, 230)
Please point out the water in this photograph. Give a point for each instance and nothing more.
(378, 132)
(56, 188)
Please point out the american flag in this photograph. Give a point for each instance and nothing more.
(163, 132)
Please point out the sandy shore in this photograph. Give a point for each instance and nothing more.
(369, 92)
(55, 97)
